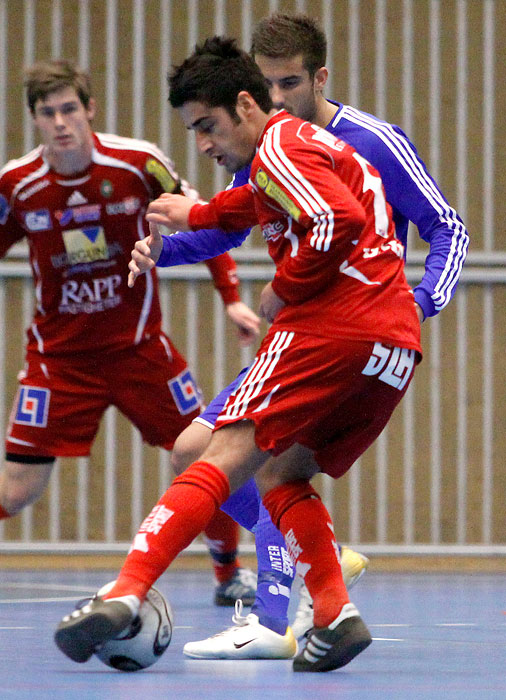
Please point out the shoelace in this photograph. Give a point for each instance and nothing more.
(237, 618)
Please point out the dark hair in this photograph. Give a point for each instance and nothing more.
(215, 74)
(46, 77)
(286, 36)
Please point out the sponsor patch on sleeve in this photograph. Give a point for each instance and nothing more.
(274, 191)
(33, 406)
(185, 392)
(155, 168)
(4, 209)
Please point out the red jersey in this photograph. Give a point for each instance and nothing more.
(80, 231)
(323, 213)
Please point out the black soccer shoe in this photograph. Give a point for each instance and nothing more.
(334, 646)
(79, 633)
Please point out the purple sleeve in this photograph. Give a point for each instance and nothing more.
(185, 247)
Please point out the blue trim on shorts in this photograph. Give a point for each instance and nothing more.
(211, 413)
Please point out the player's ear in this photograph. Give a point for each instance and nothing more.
(91, 109)
(245, 103)
(320, 78)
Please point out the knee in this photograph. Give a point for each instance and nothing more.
(17, 495)
(184, 453)
(179, 458)
(189, 446)
(21, 485)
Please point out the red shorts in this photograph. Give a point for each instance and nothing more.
(332, 396)
(60, 401)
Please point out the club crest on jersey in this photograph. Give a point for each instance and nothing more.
(33, 405)
(185, 392)
(161, 173)
(274, 191)
(106, 188)
(85, 245)
(38, 220)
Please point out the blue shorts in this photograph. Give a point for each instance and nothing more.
(210, 414)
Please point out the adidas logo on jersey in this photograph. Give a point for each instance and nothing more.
(75, 199)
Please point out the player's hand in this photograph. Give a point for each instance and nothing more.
(171, 210)
(419, 313)
(145, 254)
(270, 303)
(246, 320)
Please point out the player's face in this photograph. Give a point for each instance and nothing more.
(64, 122)
(290, 85)
(232, 144)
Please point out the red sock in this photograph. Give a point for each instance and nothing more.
(4, 514)
(296, 509)
(179, 516)
(222, 538)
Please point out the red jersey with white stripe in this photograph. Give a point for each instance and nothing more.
(80, 231)
(323, 213)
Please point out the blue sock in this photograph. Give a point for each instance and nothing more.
(243, 505)
(275, 575)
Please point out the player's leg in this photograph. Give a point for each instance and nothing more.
(156, 371)
(22, 481)
(268, 620)
(56, 413)
(263, 633)
(353, 566)
(297, 510)
(233, 582)
(180, 515)
(356, 420)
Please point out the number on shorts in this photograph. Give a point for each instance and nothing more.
(393, 365)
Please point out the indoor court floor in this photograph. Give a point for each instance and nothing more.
(435, 636)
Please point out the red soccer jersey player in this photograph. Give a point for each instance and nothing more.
(79, 200)
(339, 275)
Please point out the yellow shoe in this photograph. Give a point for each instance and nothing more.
(353, 565)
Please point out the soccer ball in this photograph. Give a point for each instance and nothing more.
(145, 640)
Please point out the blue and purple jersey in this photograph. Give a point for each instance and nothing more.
(410, 190)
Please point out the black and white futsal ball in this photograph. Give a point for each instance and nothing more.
(145, 640)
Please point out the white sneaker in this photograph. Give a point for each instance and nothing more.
(248, 639)
(353, 567)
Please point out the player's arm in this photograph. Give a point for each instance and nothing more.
(224, 273)
(185, 247)
(412, 191)
(229, 210)
(316, 198)
(220, 264)
(330, 230)
(188, 247)
(10, 231)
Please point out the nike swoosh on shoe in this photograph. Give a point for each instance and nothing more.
(238, 646)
